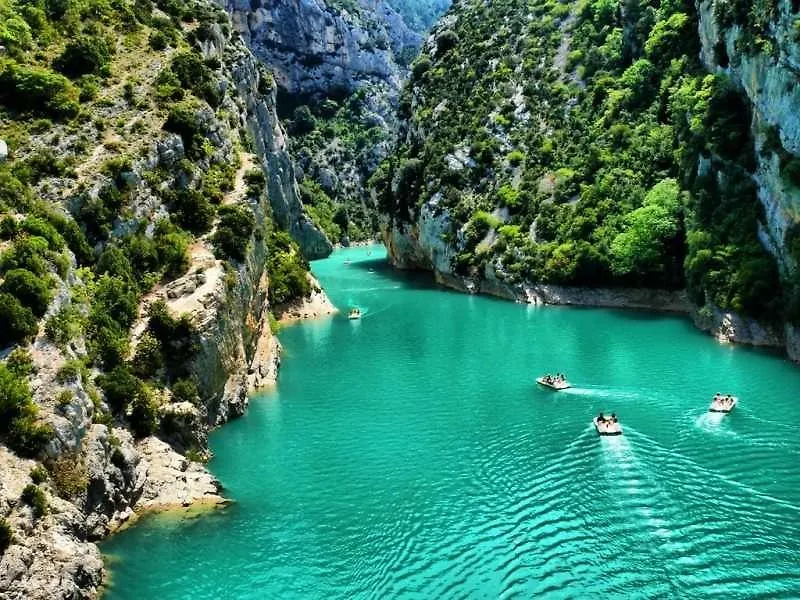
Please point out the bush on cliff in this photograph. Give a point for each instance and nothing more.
(38, 90)
(32, 291)
(178, 338)
(235, 226)
(69, 475)
(6, 536)
(287, 270)
(19, 323)
(83, 56)
(34, 497)
(120, 387)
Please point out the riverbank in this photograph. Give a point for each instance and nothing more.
(724, 326)
(312, 307)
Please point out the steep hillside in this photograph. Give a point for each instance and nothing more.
(339, 67)
(550, 145)
(148, 227)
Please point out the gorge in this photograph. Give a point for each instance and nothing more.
(168, 169)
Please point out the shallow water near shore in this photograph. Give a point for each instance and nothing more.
(410, 454)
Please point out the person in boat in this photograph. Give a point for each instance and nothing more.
(601, 418)
(613, 417)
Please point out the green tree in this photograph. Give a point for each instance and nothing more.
(33, 292)
(640, 248)
(83, 56)
(19, 322)
(233, 232)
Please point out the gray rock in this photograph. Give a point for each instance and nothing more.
(183, 424)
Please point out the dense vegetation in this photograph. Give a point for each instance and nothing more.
(80, 106)
(334, 142)
(586, 145)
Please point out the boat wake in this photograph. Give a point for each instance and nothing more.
(712, 423)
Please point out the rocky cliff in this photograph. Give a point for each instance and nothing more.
(344, 63)
(539, 156)
(103, 464)
(761, 53)
(314, 47)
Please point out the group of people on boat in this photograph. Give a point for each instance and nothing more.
(555, 379)
(724, 399)
(607, 425)
(722, 402)
(601, 418)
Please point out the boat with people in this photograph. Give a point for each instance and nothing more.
(555, 382)
(607, 425)
(355, 313)
(722, 403)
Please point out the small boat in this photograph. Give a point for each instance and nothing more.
(607, 426)
(348, 261)
(554, 383)
(354, 314)
(723, 404)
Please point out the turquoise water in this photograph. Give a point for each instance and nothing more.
(410, 455)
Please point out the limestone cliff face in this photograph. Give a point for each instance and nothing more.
(768, 77)
(317, 50)
(312, 47)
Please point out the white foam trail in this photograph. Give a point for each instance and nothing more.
(719, 476)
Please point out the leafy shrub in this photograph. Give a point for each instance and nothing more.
(64, 326)
(233, 232)
(71, 371)
(38, 474)
(19, 323)
(446, 41)
(83, 56)
(15, 396)
(34, 497)
(287, 270)
(28, 252)
(27, 436)
(185, 390)
(191, 210)
(178, 338)
(69, 475)
(120, 387)
(149, 359)
(183, 120)
(20, 362)
(421, 66)
(158, 40)
(38, 90)
(33, 292)
(6, 536)
(303, 122)
(144, 416)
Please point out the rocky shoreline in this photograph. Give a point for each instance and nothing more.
(724, 326)
(313, 307)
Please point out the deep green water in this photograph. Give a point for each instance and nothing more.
(410, 455)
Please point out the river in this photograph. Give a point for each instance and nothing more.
(410, 454)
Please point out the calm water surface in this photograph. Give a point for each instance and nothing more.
(410, 455)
